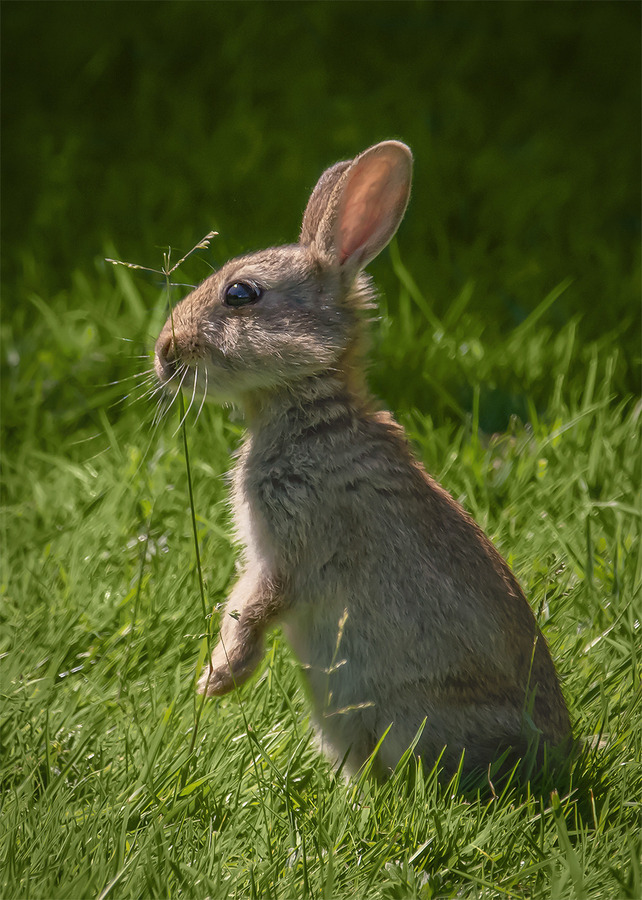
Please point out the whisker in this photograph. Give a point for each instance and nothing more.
(145, 397)
(180, 370)
(180, 424)
(183, 284)
(162, 408)
(140, 391)
(119, 401)
(139, 341)
(180, 386)
(155, 389)
(151, 381)
(200, 409)
(161, 389)
(86, 440)
(158, 387)
(96, 455)
(161, 402)
(147, 373)
(149, 387)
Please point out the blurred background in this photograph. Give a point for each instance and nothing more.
(128, 127)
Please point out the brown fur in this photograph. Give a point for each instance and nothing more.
(397, 605)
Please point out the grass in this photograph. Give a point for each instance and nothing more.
(113, 782)
(507, 344)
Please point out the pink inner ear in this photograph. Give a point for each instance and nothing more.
(374, 199)
(370, 198)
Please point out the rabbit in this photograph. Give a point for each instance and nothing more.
(400, 610)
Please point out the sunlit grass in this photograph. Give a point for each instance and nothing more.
(108, 789)
(508, 345)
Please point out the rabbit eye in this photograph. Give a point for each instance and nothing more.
(240, 293)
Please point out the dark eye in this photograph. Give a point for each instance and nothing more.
(240, 293)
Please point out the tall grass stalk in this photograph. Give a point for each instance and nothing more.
(167, 271)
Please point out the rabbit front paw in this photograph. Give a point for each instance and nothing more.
(227, 670)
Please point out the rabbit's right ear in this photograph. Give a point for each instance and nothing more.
(357, 206)
(320, 201)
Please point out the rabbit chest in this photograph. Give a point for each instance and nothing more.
(293, 531)
(338, 519)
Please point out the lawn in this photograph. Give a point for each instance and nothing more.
(507, 342)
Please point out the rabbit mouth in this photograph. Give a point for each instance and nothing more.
(189, 368)
(203, 379)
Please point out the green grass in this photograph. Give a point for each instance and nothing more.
(103, 635)
(508, 345)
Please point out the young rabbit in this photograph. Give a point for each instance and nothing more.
(397, 605)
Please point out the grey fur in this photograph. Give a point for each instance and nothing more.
(396, 604)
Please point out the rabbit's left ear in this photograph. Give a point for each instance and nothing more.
(373, 196)
(357, 205)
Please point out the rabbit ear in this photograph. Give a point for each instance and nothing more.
(320, 202)
(373, 200)
(356, 207)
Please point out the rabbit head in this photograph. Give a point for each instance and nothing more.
(270, 318)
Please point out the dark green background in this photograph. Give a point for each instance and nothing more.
(130, 126)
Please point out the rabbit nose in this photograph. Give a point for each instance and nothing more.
(166, 355)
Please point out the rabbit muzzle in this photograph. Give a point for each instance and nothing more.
(165, 359)
(177, 349)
